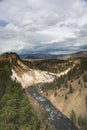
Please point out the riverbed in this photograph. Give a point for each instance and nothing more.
(54, 116)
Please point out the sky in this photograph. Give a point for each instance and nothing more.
(43, 26)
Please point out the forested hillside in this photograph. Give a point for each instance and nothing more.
(16, 112)
(69, 92)
(50, 65)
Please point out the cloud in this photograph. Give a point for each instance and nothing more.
(47, 26)
(1, 0)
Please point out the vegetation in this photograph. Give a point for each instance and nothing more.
(50, 65)
(78, 70)
(86, 101)
(15, 110)
(70, 89)
(66, 97)
(82, 122)
(85, 78)
(73, 117)
(55, 94)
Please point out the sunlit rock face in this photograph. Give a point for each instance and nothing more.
(21, 73)
(25, 75)
(31, 77)
(28, 77)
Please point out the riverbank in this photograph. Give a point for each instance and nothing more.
(40, 113)
(35, 105)
(54, 116)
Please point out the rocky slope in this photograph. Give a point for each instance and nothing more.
(23, 74)
(27, 76)
(31, 77)
(68, 93)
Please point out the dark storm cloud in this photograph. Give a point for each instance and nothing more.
(85, 0)
(1, 0)
(83, 47)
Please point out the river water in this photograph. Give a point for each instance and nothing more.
(54, 116)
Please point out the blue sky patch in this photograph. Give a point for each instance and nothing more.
(3, 23)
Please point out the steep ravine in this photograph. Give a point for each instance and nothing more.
(28, 77)
(54, 116)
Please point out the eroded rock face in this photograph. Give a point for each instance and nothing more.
(31, 77)
(28, 77)
(10, 57)
(22, 73)
(25, 75)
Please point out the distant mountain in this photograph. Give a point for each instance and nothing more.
(40, 56)
(53, 56)
(79, 54)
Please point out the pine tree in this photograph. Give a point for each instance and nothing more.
(73, 116)
(66, 97)
(70, 89)
(86, 101)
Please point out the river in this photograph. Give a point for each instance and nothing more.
(54, 116)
